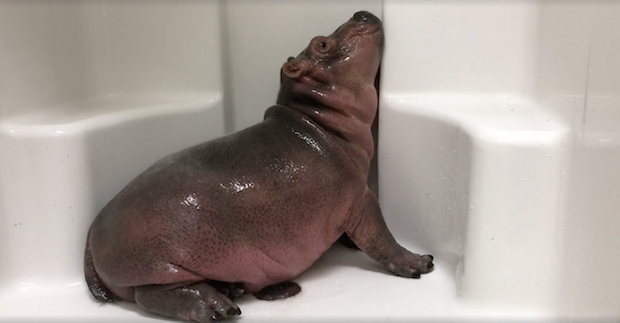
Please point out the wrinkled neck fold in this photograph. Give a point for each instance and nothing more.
(355, 133)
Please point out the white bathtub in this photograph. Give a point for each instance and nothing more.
(498, 148)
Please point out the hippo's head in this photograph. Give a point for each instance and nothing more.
(335, 75)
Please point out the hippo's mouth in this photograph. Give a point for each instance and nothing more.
(358, 31)
(313, 82)
(371, 31)
(310, 81)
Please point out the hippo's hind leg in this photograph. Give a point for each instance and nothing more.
(198, 302)
(101, 293)
(278, 291)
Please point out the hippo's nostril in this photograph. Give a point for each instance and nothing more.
(361, 15)
(365, 16)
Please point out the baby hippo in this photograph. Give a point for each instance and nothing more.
(248, 212)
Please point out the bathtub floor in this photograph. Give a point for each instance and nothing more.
(343, 285)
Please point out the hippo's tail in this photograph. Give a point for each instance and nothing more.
(101, 293)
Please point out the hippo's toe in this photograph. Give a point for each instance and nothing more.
(278, 291)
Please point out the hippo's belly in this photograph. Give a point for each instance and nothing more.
(270, 235)
(256, 268)
(129, 260)
(254, 237)
(261, 245)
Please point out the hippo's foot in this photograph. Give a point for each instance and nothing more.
(197, 303)
(410, 265)
(347, 242)
(370, 233)
(278, 291)
(232, 290)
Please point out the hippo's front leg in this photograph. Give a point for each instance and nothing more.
(367, 229)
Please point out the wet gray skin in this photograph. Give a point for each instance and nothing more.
(249, 212)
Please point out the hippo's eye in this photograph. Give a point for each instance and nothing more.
(322, 46)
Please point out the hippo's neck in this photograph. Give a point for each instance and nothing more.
(356, 135)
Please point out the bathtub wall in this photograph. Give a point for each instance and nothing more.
(42, 63)
(92, 93)
(579, 79)
(461, 46)
(507, 119)
(67, 51)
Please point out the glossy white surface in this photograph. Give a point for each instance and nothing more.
(580, 81)
(63, 51)
(498, 146)
(58, 170)
(506, 121)
(491, 168)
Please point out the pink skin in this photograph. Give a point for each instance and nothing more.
(258, 207)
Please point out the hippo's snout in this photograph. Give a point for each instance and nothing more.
(365, 17)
